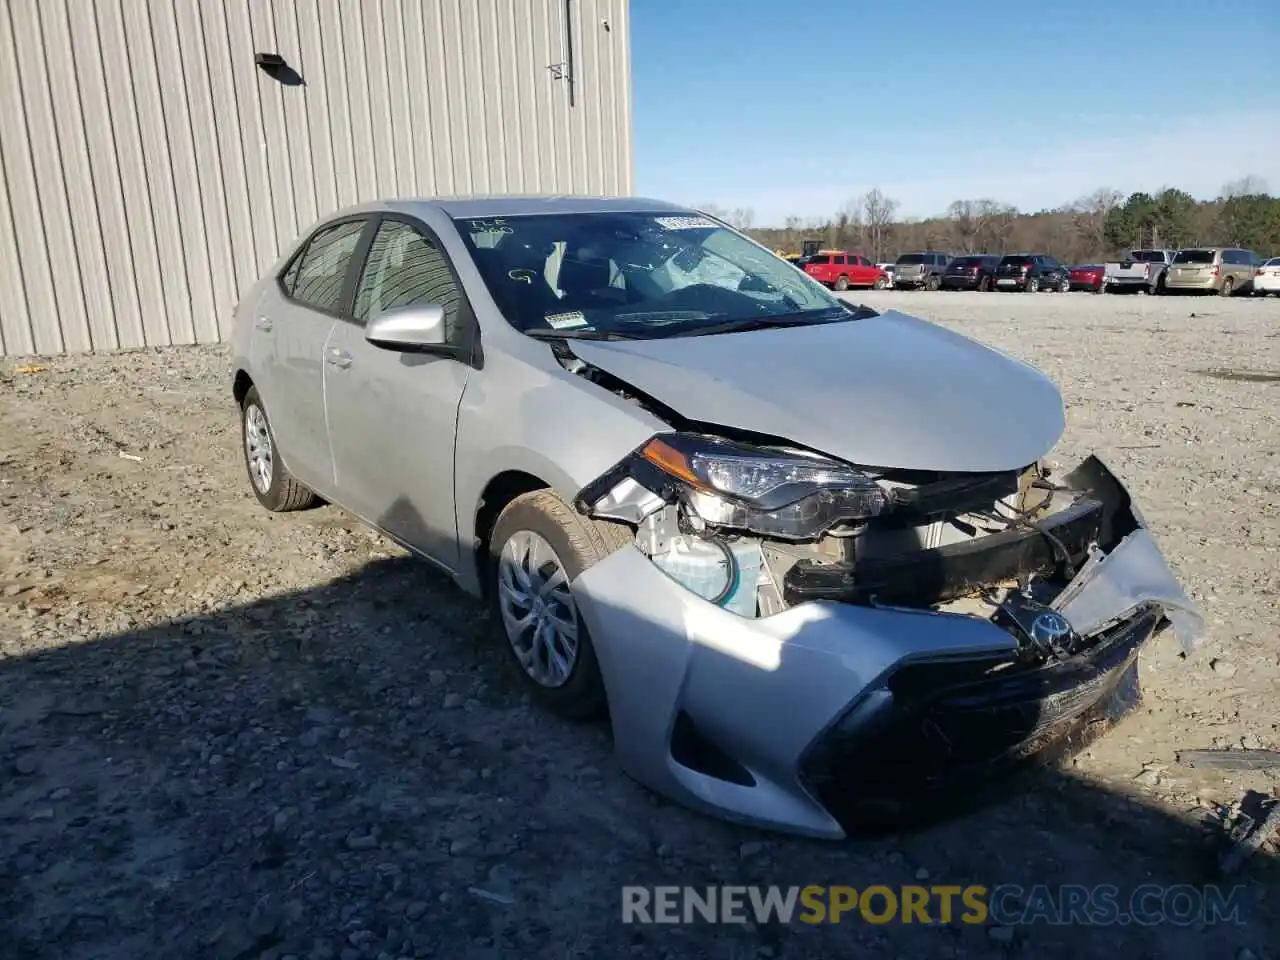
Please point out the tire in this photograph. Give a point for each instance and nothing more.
(880, 284)
(932, 283)
(271, 482)
(1033, 285)
(577, 543)
(984, 285)
(842, 283)
(1228, 287)
(1064, 286)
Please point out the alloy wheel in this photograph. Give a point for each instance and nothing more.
(258, 448)
(538, 612)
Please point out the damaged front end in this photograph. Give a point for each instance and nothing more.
(941, 625)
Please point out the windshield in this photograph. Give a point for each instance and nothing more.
(1147, 256)
(634, 274)
(907, 259)
(1194, 256)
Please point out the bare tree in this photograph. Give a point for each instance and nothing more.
(741, 218)
(878, 212)
(1247, 186)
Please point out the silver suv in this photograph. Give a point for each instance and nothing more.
(915, 270)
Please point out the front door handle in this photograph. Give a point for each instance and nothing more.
(338, 358)
(264, 324)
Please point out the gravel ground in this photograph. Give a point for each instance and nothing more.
(234, 735)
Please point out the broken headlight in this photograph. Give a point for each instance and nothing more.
(788, 494)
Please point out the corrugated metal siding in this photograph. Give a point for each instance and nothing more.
(150, 171)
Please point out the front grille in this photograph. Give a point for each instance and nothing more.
(938, 731)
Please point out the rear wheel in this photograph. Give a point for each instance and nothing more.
(1064, 285)
(880, 284)
(272, 483)
(842, 282)
(539, 546)
(1033, 285)
(932, 283)
(1228, 286)
(984, 285)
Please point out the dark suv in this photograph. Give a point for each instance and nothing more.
(972, 272)
(1032, 272)
(919, 270)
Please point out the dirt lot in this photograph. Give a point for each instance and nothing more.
(228, 734)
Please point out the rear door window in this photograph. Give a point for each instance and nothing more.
(820, 260)
(316, 279)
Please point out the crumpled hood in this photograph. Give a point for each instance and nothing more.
(886, 391)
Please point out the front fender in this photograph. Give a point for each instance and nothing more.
(544, 421)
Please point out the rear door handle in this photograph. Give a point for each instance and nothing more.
(263, 324)
(338, 358)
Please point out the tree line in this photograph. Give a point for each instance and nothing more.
(1091, 229)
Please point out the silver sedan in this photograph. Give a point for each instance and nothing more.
(804, 555)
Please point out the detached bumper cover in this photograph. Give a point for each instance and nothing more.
(812, 720)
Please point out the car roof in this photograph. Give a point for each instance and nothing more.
(516, 205)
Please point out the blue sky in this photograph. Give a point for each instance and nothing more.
(793, 108)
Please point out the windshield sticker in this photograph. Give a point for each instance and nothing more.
(686, 223)
(566, 321)
(498, 225)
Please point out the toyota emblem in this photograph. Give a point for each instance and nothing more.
(1050, 627)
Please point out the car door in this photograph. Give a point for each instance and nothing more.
(294, 322)
(393, 414)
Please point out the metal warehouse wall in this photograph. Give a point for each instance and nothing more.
(150, 170)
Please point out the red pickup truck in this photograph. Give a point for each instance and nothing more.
(842, 270)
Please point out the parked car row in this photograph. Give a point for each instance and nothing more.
(1222, 270)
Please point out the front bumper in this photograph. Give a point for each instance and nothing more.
(808, 720)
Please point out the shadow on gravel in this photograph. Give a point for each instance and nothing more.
(347, 773)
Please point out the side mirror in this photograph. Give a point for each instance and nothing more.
(416, 328)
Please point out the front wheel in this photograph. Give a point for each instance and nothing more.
(880, 284)
(1064, 285)
(984, 285)
(539, 547)
(1033, 285)
(1228, 286)
(272, 483)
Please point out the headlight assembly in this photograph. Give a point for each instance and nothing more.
(788, 494)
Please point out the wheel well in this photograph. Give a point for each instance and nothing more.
(500, 491)
(241, 387)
